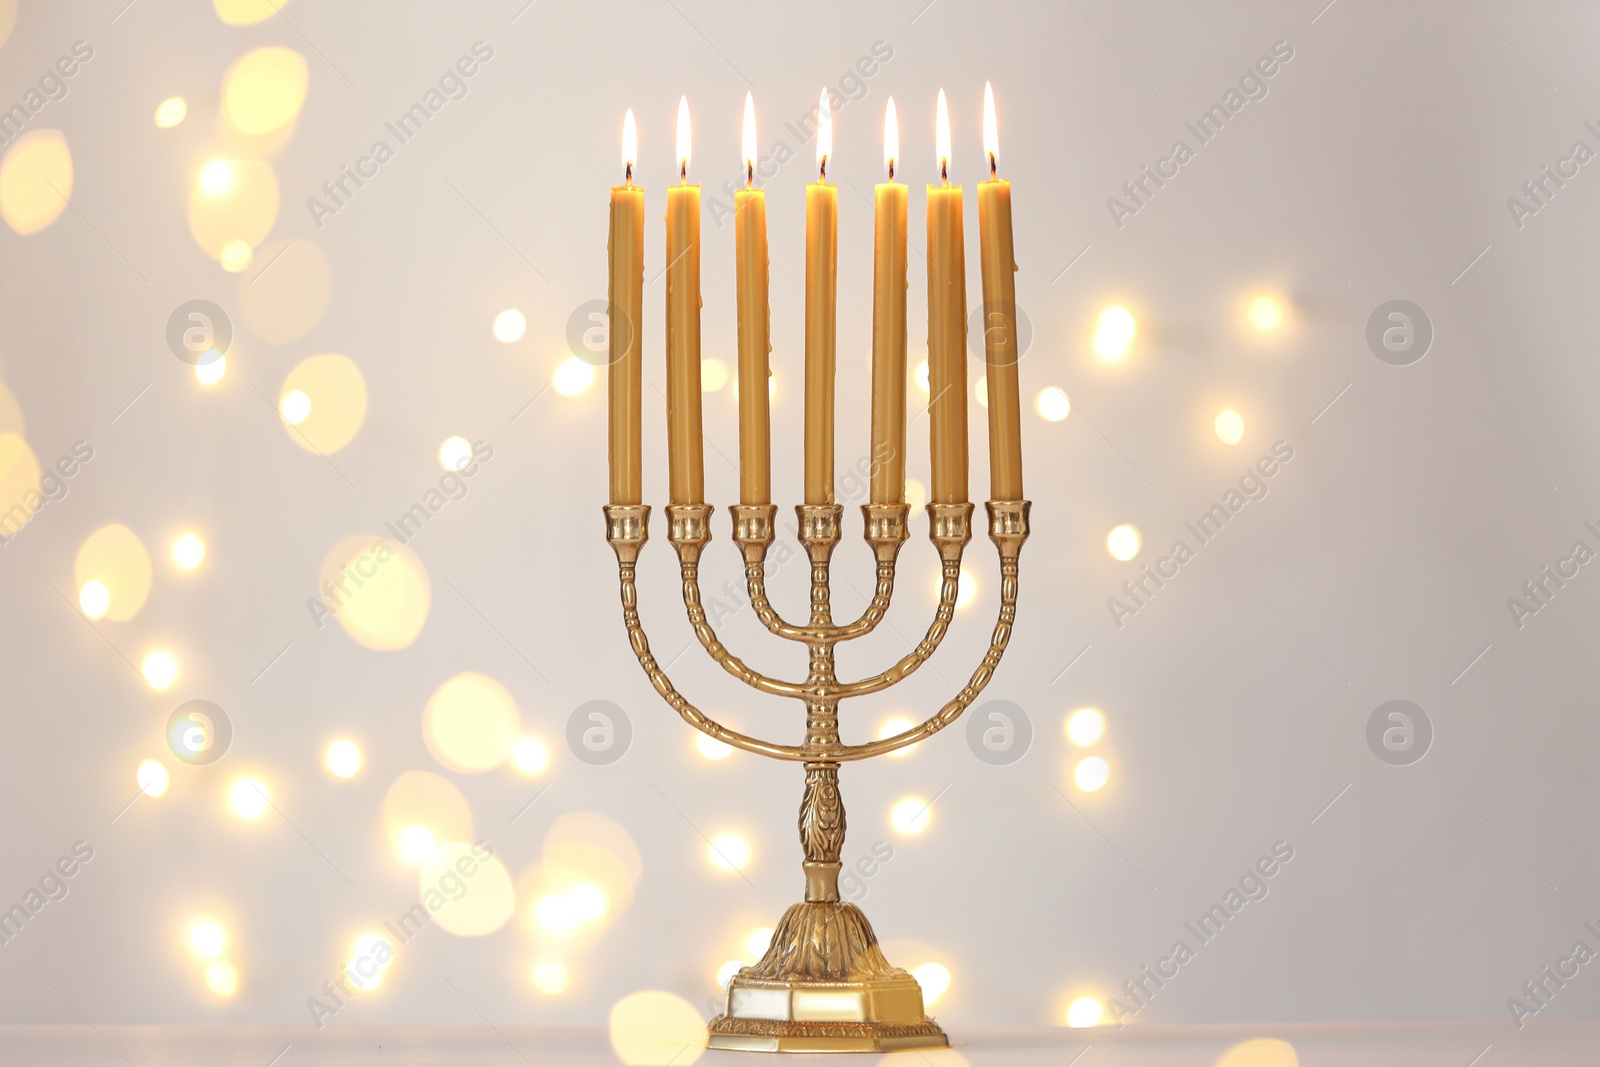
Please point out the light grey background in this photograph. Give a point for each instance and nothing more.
(1378, 568)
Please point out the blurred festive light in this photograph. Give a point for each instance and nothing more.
(342, 758)
(247, 798)
(1123, 542)
(206, 938)
(377, 590)
(710, 747)
(653, 1029)
(530, 755)
(247, 12)
(934, 978)
(20, 485)
(416, 843)
(94, 599)
(470, 723)
(572, 376)
(582, 848)
(264, 90)
(1084, 1012)
(726, 972)
(115, 558)
(1229, 426)
(1114, 333)
(579, 905)
(966, 588)
(916, 495)
(910, 816)
(713, 374)
(922, 376)
(371, 954)
(488, 904)
(236, 256)
(188, 551)
(1091, 773)
(549, 978)
(216, 177)
(333, 405)
(211, 368)
(729, 851)
(222, 979)
(898, 724)
(455, 454)
(1052, 404)
(510, 325)
(170, 112)
(1265, 313)
(1262, 1052)
(980, 391)
(1085, 726)
(295, 407)
(758, 941)
(35, 181)
(160, 669)
(772, 385)
(153, 777)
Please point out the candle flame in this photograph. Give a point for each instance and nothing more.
(749, 139)
(991, 132)
(630, 145)
(942, 138)
(683, 138)
(824, 135)
(891, 138)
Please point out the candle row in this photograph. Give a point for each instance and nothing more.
(947, 325)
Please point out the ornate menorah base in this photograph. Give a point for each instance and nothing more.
(824, 986)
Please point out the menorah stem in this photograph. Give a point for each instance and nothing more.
(822, 827)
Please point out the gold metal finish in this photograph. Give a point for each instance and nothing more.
(823, 985)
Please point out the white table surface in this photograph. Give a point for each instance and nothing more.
(1400, 1045)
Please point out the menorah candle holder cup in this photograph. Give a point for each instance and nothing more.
(823, 984)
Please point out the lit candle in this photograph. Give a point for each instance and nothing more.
(999, 318)
(755, 412)
(685, 456)
(947, 328)
(889, 327)
(822, 248)
(626, 250)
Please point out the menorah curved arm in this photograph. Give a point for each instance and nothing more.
(1008, 528)
(627, 528)
(713, 645)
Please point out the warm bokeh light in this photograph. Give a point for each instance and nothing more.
(206, 938)
(188, 551)
(232, 207)
(153, 777)
(729, 851)
(264, 90)
(1052, 404)
(1084, 1012)
(1091, 773)
(572, 376)
(342, 758)
(921, 374)
(247, 798)
(713, 374)
(916, 495)
(510, 325)
(216, 177)
(370, 956)
(980, 391)
(377, 590)
(1123, 542)
(160, 669)
(584, 879)
(728, 970)
(94, 599)
(421, 799)
(236, 256)
(1229, 425)
(1085, 726)
(247, 12)
(287, 289)
(574, 907)
(222, 978)
(911, 815)
(490, 898)
(211, 368)
(967, 590)
(656, 1029)
(549, 978)
(114, 557)
(455, 454)
(710, 747)
(170, 112)
(470, 723)
(1265, 314)
(330, 400)
(1263, 1052)
(20, 475)
(35, 181)
(417, 844)
(530, 756)
(898, 724)
(757, 941)
(1114, 332)
(934, 978)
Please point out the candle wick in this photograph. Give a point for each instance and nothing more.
(822, 169)
(683, 171)
(944, 171)
(749, 174)
(991, 165)
(627, 173)
(891, 170)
